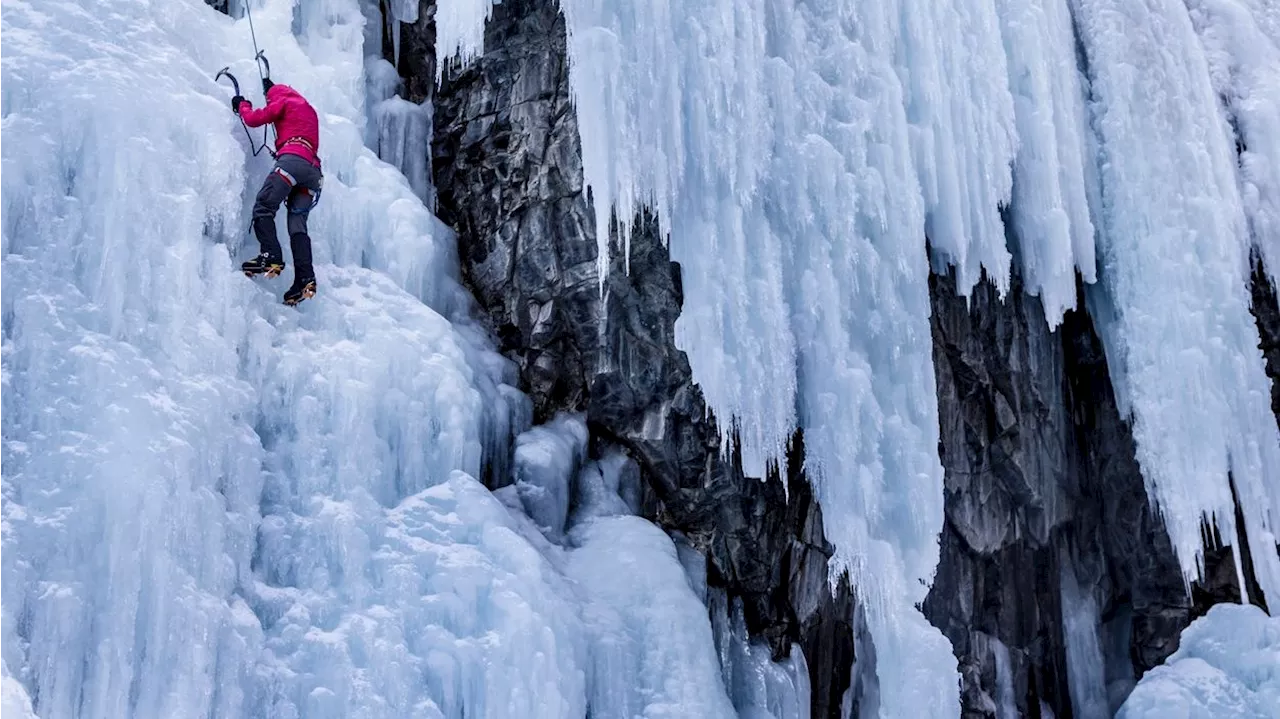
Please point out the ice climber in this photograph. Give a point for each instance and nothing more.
(296, 179)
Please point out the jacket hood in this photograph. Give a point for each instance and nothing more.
(280, 90)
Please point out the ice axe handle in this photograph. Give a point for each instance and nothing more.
(262, 58)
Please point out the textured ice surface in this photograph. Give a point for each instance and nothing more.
(1054, 177)
(204, 489)
(1006, 702)
(1241, 39)
(758, 686)
(459, 30)
(14, 701)
(799, 154)
(399, 131)
(1227, 665)
(1086, 665)
(546, 459)
(1173, 300)
(644, 620)
(218, 506)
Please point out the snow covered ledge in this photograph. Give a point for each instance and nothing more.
(1228, 665)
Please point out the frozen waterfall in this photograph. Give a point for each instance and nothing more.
(217, 506)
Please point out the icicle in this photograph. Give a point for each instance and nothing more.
(1172, 305)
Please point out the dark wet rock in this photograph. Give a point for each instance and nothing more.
(1267, 313)
(1042, 481)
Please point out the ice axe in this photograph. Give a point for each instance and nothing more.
(236, 84)
(227, 71)
(261, 57)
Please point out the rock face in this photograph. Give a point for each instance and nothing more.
(1044, 495)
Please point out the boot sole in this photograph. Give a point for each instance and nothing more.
(307, 293)
(270, 273)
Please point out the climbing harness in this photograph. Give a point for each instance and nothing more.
(260, 59)
(313, 195)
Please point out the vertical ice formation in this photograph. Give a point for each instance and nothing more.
(1006, 703)
(459, 30)
(1241, 39)
(797, 153)
(404, 133)
(642, 597)
(1086, 663)
(546, 458)
(1173, 300)
(1227, 665)
(651, 649)
(759, 687)
(215, 505)
(400, 130)
(1054, 177)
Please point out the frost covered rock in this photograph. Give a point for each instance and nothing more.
(1228, 665)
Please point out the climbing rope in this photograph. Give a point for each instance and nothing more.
(248, 10)
(260, 59)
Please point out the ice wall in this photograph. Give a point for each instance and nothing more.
(799, 153)
(1172, 303)
(1055, 183)
(1241, 40)
(218, 506)
(459, 30)
(215, 505)
(1086, 663)
(758, 686)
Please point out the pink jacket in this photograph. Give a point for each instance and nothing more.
(297, 126)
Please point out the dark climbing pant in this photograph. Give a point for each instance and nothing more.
(299, 182)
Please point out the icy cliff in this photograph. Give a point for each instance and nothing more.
(685, 109)
(923, 328)
(218, 506)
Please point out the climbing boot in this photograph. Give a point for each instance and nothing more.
(263, 264)
(302, 289)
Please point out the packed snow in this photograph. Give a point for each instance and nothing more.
(1227, 665)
